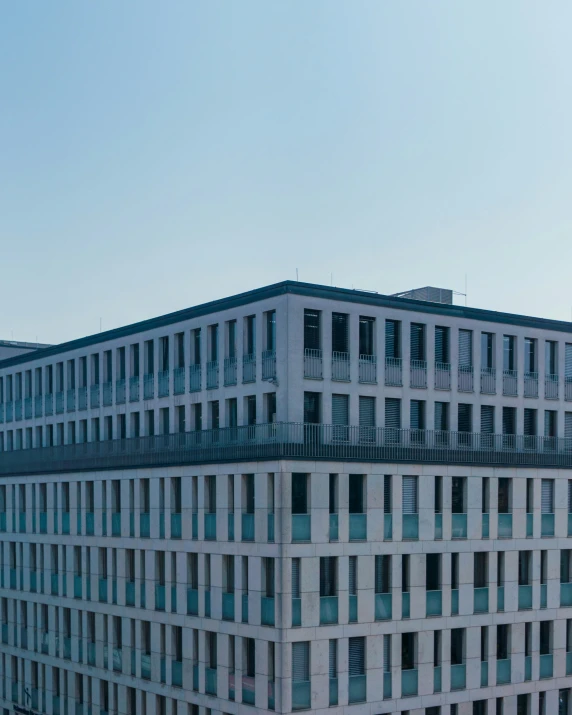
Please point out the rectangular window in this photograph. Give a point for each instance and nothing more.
(301, 662)
(551, 357)
(547, 496)
(312, 330)
(392, 413)
(382, 573)
(442, 416)
(356, 656)
(442, 351)
(509, 420)
(465, 349)
(312, 412)
(393, 339)
(530, 422)
(410, 495)
(417, 345)
(417, 414)
(465, 417)
(530, 360)
(509, 352)
(328, 576)
(340, 333)
(366, 336)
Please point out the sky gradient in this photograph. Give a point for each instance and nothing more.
(158, 155)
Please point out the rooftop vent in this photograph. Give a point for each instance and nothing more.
(429, 294)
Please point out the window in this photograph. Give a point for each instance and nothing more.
(356, 663)
(503, 647)
(407, 651)
(392, 413)
(340, 416)
(410, 495)
(509, 420)
(417, 346)
(545, 637)
(547, 496)
(458, 495)
(299, 493)
(524, 568)
(550, 428)
(465, 417)
(340, 333)
(465, 350)
(530, 360)
(270, 317)
(356, 494)
(382, 573)
(300, 667)
(509, 352)
(442, 416)
(530, 422)
(328, 576)
(312, 330)
(387, 494)
(504, 495)
(393, 339)
(417, 415)
(551, 357)
(481, 563)
(249, 335)
(312, 412)
(457, 646)
(366, 336)
(432, 572)
(442, 352)
(333, 493)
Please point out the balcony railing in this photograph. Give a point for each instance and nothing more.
(249, 368)
(230, 371)
(551, 387)
(313, 367)
(510, 383)
(568, 388)
(296, 440)
(268, 364)
(442, 376)
(393, 371)
(341, 366)
(212, 375)
(531, 384)
(107, 394)
(465, 378)
(38, 405)
(59, 405)
(164, 377)
(148, 386)
(179, 380)
(94, 396)
(120, 391)
(195, 378)
(367, 369)
(28, 407)
(418, 373)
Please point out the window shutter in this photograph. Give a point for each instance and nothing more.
(409, 495)
(301, 661)
(378, 574)
(508, 420)
(340, 410)
(387, 494)
(295, 578)
(392, 413)
(356, 656)
(465, 348)
(387, 653)
(464, 418)
(529, 422)
(568, 361)
(487, 419)
(441, 344)
(353, 575)
(417, 350)
(547, 496)
(570, 496)
(568, 425)
(333, 659)
(367, 411)
(441, 421)
(415, 414)
(391, 340)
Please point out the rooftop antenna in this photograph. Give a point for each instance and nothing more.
(465, 290)
(297, 274)
(331, 279)
(100, 325)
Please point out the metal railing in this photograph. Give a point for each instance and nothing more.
(551, 387)
(340, 366)
(418, 373)
(531, 384)
(148, 386)
(194, 378)
(293, 441)
(94, 396)
(268, 364)
(164, 378)
(212, 374)
(442, 376)
(367, 369)
(488, 381)
(134, 388)
(107, 394)
(70, 400)
(179, 381)
(510, 383)
(393, 371)
(230, 371)
(82, 398)
(313, 367)
(249, 368)
(120, 391)
(465, 380)
(568, 388)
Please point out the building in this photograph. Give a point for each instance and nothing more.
(300, 497)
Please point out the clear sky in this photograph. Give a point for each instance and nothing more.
(155, 155)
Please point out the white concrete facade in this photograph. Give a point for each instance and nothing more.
(78, 566)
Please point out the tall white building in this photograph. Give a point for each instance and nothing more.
(300, 497)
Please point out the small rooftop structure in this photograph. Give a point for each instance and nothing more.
(429, 294)
(11, 348)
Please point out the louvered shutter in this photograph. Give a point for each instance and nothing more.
(356, 656)
(508, 420)
(568, 361)
(301, 661)
(529, 421)
(387, 653)
(547, 496)
(465, 348)
(392, 413)
(417, 348)
(487, 419)
(328, 576)
(570, 496)
(391, 340)
(378, 574)
(415, 414)
(340, 410)
(464, 418)
(367, 411)
(568, 425)
(352, 585)
(295, 578)
(441, 421)
(409, 495)
(441, 344)
(387, 494)
(333, 659)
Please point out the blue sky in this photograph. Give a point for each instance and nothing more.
(158, 155)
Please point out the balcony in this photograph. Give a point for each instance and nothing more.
(212, 375)
(367, 370)
(267, 610)
(409, 682)
(268, 364)
(410, 527)
(454, 601)
(28, 407)
(357, 689)
(565, 595)
(210, 681)
(546, 666)
(433, 603)
(192, 602)
(297, 612)
(547, 525)
(510, 383)
(465, 381)
(195, 378)
(340, 366)
(301, 527)
(529, 525)
(38, 405)
(387, 527)
(393, 372)
(442, 376)
(249, 368)
(228, 606)
(458, 677)
(481, 600)
(358, 527)
(120, 391)
(248, 527)
(210, 527)
(301, 694)
(313, 367)
(93, 396)
(230, 371)
(459, 526)
(531, 384)
(505, 526)
(524, 598)
(176, 525)
(503, 671)
(484, 673)
(59, 405)
(418, 374)
(328, 610)
(551, 387)
(405, 604)
(148, 386)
